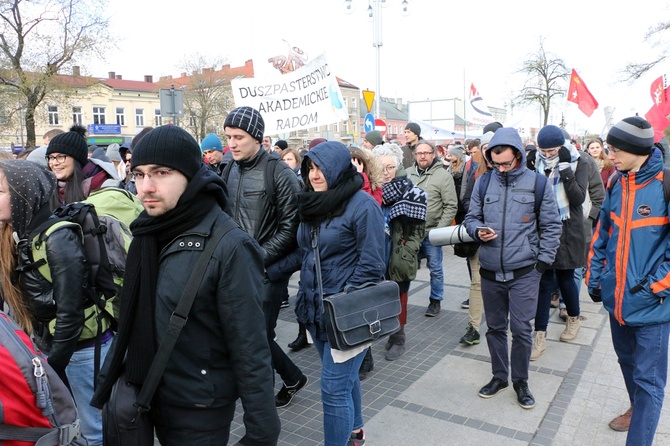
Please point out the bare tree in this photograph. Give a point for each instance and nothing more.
(207, 96)
(38, 38)
(657, 36)
(546, 78)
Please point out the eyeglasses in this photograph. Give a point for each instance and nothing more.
(549, 152)
(505, 165)
(389, 168)
(57, 158)
(424, 153)
(155, 175)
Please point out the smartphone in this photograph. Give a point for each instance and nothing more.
(486, 229)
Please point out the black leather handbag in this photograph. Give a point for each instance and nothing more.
(360, 314)
(125, 417)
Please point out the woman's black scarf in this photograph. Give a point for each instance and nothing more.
(316, 206)
(137, 332)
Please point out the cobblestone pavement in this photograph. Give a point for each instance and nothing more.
(429, 395)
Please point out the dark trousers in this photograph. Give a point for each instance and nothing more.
(275, 291)
(564, 279)
(513, 303)
(179, 426)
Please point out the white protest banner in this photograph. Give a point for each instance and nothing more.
(307, 97)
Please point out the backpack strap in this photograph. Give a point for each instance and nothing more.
(38, 250)
(614, 179)
(41, 436)
(540, 185)
(484, 185)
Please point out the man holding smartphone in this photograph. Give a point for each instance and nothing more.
(518, 245)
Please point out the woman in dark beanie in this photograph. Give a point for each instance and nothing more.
(78, 175)
(52, 311)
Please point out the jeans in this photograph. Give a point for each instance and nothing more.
(565, 279)
(341, 394)
(643, 358)
(80, 375)
(287, 370)
(518, 299)
(433, 255)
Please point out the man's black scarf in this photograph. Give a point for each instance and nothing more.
(316, 206)
(137, 334)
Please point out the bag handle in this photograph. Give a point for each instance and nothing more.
(178, 320)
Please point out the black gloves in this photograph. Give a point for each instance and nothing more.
(564, 155)
(595, 294)
(541, 267)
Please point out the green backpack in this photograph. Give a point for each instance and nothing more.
(103, 221)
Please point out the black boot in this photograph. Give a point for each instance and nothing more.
(301, 341)
(367, 365)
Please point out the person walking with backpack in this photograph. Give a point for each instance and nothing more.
(52, 310)
(78, 175)
(517, 245)
(629, 272)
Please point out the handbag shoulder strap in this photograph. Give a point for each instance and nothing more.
(317, 261)
(179, 318)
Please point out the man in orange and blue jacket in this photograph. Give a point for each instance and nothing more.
(629, 270)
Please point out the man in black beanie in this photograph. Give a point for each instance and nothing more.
(224, 338)
(413, 136)
(629, 272)
(264, 202)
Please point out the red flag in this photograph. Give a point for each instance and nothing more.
(660, 94)
(580, 95)
(658, 120)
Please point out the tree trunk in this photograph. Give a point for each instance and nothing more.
(30, 127)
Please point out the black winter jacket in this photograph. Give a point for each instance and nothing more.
(64, 299)
(273, 223)
(222, 352)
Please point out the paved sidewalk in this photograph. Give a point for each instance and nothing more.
(429, 396)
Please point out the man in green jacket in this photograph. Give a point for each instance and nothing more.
(428, 174)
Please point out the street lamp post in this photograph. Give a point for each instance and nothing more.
(375, 14)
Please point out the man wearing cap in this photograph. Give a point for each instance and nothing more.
(518, 245)
(413, 137)
(629, 272)
(270, 218)
(372, 139)
(213, 150)
(222, 352)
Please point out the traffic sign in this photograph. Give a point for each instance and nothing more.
(380, 126)
(368, 97)
(369, 123)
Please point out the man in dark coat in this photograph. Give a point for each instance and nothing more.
(222, 352)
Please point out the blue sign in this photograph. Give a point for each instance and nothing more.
(104, 129)
(369, 123)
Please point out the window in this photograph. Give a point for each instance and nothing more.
(76, 115)
(53, 114)
(192, 120)
(353, 103)
(344, 102)
(354, 127)
(139, 117)
(120, 116)
(158, 119)
(99, 115)
(336, 127)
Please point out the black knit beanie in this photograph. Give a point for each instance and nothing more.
(247, 119)
(72, 143)
(168, 146)
(633, 135)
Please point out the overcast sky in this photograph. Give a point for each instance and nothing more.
(434, 52)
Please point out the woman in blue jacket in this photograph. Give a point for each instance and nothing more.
(349, 227)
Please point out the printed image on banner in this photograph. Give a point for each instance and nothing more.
(308, 96)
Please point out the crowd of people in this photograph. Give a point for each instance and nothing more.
(544, 217)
